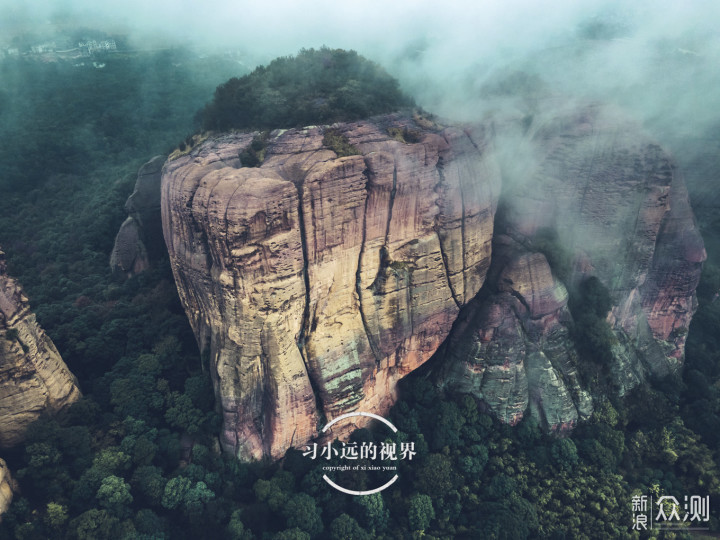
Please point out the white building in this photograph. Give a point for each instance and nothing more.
(92, 46)
(43, 48)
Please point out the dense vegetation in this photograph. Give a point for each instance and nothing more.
(137, 457)
(314, 87)
(70, 118)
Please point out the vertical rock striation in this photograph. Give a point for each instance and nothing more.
(315, 282)
(33, 377)
(512, 347)
(618, 210)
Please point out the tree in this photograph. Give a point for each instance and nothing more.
(420, 512)
(275, 492)
(372, 513)
(95, 525)
(235, 529)
(144, 451)
(111, 461)
(180, 491)
(498, 521)
(183, 414)
(594, 452)
(314, 87)
(148, 522)
(135, 396)
(448, 425)
(292, 534)
(195, 499)
(114, 494)
(500, 487)
(175, 491)
(564, 453)
(149, 481)
(301, 511)
(436, 476)
(57, 515)
(344, 527)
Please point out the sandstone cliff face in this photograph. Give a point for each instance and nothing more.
(6, 487)
(621, 213)
(140, 235)
(316, 282)
(33, 377)
(512, 348)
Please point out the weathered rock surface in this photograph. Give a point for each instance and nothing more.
(140, 235)
(6, 487)
(129, 254)
(316, 282)
(33, 377)
(512, 348)
(620, 212)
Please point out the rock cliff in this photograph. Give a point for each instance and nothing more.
(140, 235)
(6, 487)
(512, 347)
(33, 377)
(617, 209)
(315, 282)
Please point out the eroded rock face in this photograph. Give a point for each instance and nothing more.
(512, 348)
(620, 212)
(315, 282)
(140, 235)
(6, 487)
(33, 377)
(129, 254)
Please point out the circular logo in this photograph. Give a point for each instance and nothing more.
(386, 451)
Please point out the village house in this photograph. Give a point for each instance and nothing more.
(92, 46)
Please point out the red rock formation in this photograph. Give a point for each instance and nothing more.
(33, 378)
(7, 487)
(668, 295)
(621, 213)
(140, 236)
(512, 348)
(317, 282)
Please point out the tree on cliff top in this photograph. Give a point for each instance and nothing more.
(314, 87)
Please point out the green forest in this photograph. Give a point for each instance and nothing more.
(313, 87)
(137, 457)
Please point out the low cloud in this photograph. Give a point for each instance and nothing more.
(658, 59)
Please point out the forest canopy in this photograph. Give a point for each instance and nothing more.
(314, 87)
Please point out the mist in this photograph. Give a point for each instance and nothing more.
(656, 60)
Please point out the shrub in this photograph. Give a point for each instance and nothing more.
(339, 143)
(405, 135)
(11, 334)
(254, 154)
